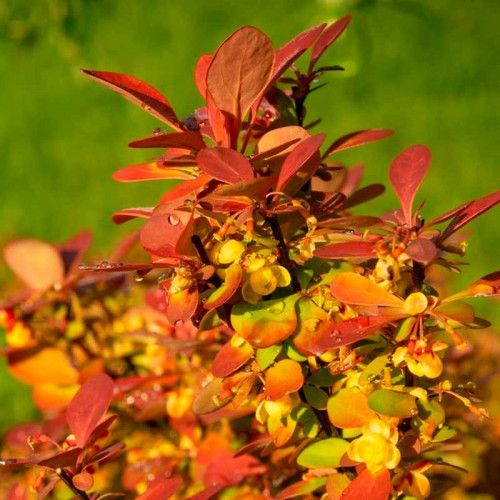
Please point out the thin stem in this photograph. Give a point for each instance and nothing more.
(320, 415)
(65, 478)
(285, 260)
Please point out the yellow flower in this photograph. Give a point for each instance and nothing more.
(376, 447)
(179, 402)
(420, 358)
(18, 335)
(227, 251)
(413, 483)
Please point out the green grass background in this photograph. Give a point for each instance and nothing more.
(427, 69)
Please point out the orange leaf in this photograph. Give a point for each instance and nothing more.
(200, 73)
(150, 172)
(181, 305)
(283, 378)
(225, 165)
(375, 486)
(353, 288)
(239, 71)
(50, 397)
(348, 409)
(37, 263)
(46, 365)
(231, 357)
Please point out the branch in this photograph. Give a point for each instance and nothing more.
(67, 481)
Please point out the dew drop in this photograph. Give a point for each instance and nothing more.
(138, 276)
(158, 131)
(334, 333)
(104, 264)
(414, 412)
(173, 219)
(179, 322)
(338, 340)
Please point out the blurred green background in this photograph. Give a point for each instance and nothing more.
(427, 69)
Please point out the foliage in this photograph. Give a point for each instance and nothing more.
(275, 344)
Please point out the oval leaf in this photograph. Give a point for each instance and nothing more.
(346, 250)
(183, 140)
(357, 139)
(37, 263)
(373, 486)
(283, 378)
(406, 174)
(352, 288)
(89, 406)
(422, 250)
(232, 280)
(231, 357)
(348, 409)
(393, 403)
(150, 172)
(225, 165)
(325, 453)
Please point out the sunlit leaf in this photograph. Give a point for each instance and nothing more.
(283, 378)
(363, 195)
(207, 400)
(352, 288)
(326, 38)
(240, 70)
(225, 165)
(232, 356)
(324, 453)
(51, 397)
(300, 165)
(200, 73)
(265, 357)
(37, 263)
(181, 305)
(185, 189)
(372, 485)
(89, 406)
(486, 286)
(393, 403)
(348, 409)
(47, 365)
(150, 172)
(406, 174)
(357, 139)
(140, 93)
(457, 311)
(270, 144)
(131, 213)
(266, 323)
(232, 280)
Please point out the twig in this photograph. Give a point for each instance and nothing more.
(67, 481)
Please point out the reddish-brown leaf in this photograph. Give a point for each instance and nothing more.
(225, 165)
(240, 70)
(470, 212)
(182, 140)
(357, 139)
(89, 406)
(422, 250)
(83, 480)
(37, 263)
(66, 458)
(352, 288)
(231, 357)
(150, 172)
(131, 213)
(255, 188)
(161, 488)
(346, 250)
(484, 287)
(406, 174)
(375, 486)
(283, 378)
(200, 73)
(165, 235)
(140, 93)
(300, 165)
(327, 38)
(362, 195)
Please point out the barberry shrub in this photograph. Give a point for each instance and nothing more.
(275, 345)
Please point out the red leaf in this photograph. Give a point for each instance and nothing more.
(66, 458)
(89, 406)
(183, 140)
(300, 164)
(200, 73)
(185, 189)
(225, 165)
(327, 38)
(165, 235)
(37, 263)
(346, 250)
(131, 213)
(72, 250)
(470, 212)
(356, 139)
(230, 358)
(161, 488)
(255, 188)
(375, 486)
(140, 93)
(150, 172)
(422, 250)
(352, 288)
(240, 70)
(362, 195)
(406, 174)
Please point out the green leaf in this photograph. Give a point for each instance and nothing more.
(266, 323)
(325, 453)
(266, 356)
(393, 403)
(446, 432)
(373, 369)
(291, 351)
(323, 378)
(316, 397)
